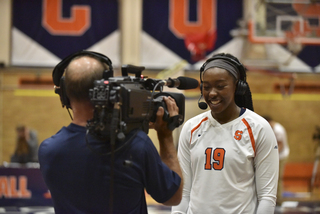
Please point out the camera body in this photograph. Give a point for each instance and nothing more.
(129, 102)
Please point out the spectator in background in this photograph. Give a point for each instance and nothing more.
(26, 146)
(284, 151)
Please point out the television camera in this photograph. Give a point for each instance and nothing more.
(124, 103)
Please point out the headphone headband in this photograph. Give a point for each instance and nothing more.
(238, 65)
(61, 66)
(58, 78)
(242, 84)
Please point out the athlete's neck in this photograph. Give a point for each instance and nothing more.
(228, 115)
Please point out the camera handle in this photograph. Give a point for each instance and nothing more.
(174, 121)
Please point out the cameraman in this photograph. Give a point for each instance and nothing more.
(78, 176)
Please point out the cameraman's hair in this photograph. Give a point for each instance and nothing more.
(78, 88)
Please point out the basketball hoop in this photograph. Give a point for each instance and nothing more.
(293, 43)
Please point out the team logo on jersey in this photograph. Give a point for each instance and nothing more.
(238, 135)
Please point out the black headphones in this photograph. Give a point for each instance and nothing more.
(58, 78)
(242, 84)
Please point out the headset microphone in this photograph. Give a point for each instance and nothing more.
(202, 105)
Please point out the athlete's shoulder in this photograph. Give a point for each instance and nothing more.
(199, 122)
(254, 118)
(260, 127)
(199, 118)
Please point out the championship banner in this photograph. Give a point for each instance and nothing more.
(46, 31)
(176, 30)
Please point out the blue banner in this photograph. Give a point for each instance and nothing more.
(57, 28)
(23, 187)
(191, 29)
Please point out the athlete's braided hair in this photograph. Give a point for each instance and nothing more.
(246, 99)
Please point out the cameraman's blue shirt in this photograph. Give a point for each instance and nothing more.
(78, 175)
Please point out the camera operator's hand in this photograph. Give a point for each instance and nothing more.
(168, 151)
(160, 125)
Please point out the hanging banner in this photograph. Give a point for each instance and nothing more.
(177, 30)
(45, 31)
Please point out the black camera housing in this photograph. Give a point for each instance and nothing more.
(136, 100)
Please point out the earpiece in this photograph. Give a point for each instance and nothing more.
(58, 71)
(242, 85)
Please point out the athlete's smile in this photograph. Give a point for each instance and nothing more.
(215, 102)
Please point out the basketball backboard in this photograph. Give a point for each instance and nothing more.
(292, 22)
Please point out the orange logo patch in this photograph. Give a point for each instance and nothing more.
(238, 135)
